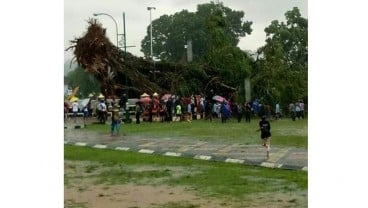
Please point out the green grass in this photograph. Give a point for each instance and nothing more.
(285, 133)
(207, 178)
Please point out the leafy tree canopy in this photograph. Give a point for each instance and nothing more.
(281, 75)
(86, 82)
(171, 33)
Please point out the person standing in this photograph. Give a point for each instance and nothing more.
(297, 110)
(75, 107)
(138, 112)
(194, 110)
(215, 111)
(66, 110)
(178, 111)
(85, 114)
(102, 111)
(248, 112)
(208, 110)
(189, 111)
(292, 111)
(115, 120)
(301, 104)
(224, 111)
(239, 109)
(265, 128)
(202, 106)
(122, 103)
(277, 111)
(256, 107)
(150, 111)
(267, 110)
(169, 105)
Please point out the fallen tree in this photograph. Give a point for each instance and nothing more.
(121, 72)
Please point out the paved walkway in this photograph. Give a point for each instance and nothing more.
(285, 158)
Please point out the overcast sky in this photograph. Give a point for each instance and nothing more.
(137, 17)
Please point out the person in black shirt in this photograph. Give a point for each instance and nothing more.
(265, 128)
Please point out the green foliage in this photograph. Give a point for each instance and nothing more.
(281, 75)
(232, 64)
(87, 82)
(171, 33)
(214, 31)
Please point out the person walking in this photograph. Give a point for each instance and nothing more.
(265, 128)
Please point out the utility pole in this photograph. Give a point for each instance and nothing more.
(151, 54)
(150, 8)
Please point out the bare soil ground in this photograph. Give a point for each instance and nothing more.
(82, 191)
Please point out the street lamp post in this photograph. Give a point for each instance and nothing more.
(116, 26)
(127, 116)
(127, 113)
(150, 8)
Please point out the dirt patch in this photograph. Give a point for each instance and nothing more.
(100, 196)
(82, 191)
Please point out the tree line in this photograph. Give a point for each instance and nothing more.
(278, 71)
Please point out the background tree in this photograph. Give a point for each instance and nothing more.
(281, 75)
(86, 81)
(171, 33)
(278, 74)
(214, 30)
(227, 64)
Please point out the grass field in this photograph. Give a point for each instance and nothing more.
(231, 184)
(285, 133)
(94, 176)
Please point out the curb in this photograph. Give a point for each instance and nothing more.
(197, 157)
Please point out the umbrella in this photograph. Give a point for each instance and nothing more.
(166, 97)
(73, 99)
(84, 102)
(145, 99)
(144, 95)
(219, 98)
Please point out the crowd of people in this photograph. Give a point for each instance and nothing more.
(176, 108)
(168, 108)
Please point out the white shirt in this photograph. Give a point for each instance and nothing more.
(75, 106)
(101, 106)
